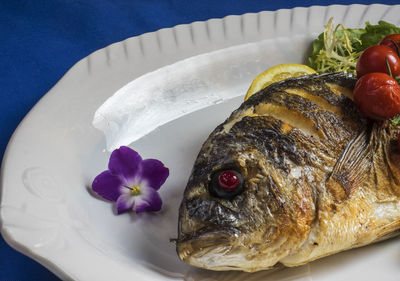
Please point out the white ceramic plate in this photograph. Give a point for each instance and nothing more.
(46, 210)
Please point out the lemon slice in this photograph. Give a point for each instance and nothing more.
(277, 73)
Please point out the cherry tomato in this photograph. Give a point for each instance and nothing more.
(373, 59)
(388, 41)
(377, 96)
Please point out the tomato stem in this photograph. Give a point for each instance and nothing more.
(388, 67)
(397, 47)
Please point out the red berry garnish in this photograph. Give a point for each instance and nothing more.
(228, 180)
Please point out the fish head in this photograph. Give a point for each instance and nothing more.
(250, 227)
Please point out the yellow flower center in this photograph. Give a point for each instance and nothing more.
(135, 190)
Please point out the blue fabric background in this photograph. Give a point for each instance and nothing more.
(41, 40)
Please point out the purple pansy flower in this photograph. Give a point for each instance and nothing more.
(131, 182)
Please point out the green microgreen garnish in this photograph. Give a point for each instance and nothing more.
(395, 120)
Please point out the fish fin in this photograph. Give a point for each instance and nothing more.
(351, 169)
(388, 231)
(386, 160)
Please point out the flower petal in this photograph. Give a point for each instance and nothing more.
(149, 201)
(153, 172)
(125, 162)
(125, 203)
(107, 185)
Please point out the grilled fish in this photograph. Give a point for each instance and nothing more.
(315, 178)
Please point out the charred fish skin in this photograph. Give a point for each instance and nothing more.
(317, 179)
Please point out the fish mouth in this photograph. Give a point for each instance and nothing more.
(222, 250)
(216, 250)
(202, 241)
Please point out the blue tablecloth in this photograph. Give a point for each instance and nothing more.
(41, 40)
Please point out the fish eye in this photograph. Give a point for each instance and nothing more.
(226, 184)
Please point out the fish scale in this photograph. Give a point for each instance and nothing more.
(318, 179)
